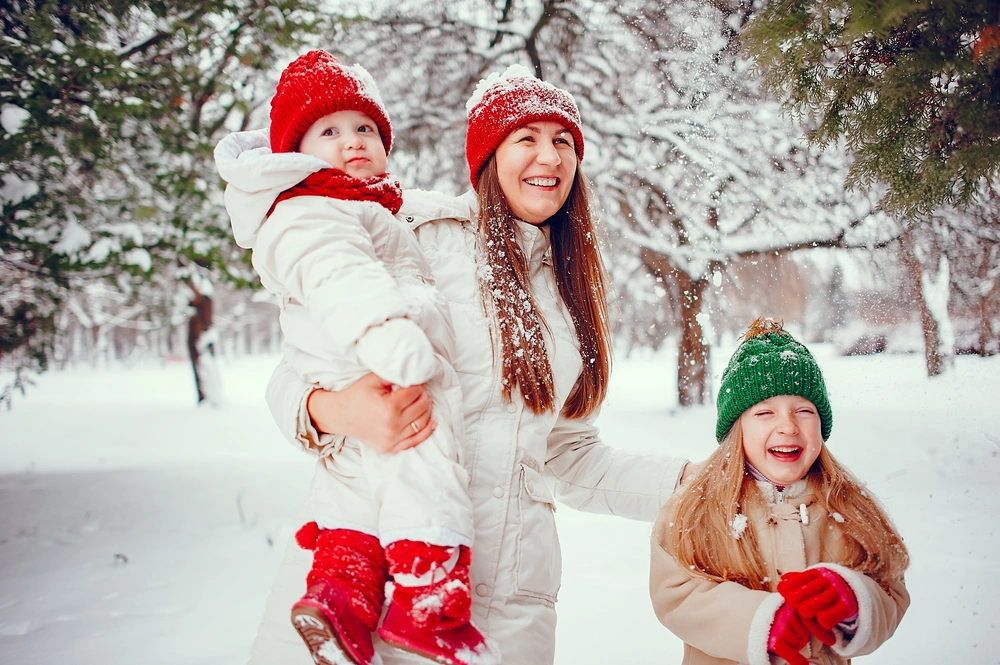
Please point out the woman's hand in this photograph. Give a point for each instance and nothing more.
(370, 411)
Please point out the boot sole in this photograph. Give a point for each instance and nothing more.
(419, 652)
(319, 635)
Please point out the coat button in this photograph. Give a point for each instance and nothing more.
(481, 589)
(511, 408)
(409, 218)
(498, 492)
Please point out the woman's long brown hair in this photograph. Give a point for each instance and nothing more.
(701, 536)
(582, 284)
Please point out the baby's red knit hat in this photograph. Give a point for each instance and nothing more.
(315, 85)
(504, 102)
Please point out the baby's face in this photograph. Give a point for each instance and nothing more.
(782, 437)
(348, 141)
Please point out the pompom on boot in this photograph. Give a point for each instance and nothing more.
(430, 609)
(344, 597)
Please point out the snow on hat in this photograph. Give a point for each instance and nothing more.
(504, 102)
(770, 362)
(315, 85)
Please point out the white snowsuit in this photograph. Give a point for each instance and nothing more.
(356, 296)
(515, 457)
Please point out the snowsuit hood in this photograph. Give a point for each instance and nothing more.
(255, 177)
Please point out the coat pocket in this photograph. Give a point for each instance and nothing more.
(539, 558)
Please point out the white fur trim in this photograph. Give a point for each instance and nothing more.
(426, 534)
(760, 629)
(848, 647)
(331, 523)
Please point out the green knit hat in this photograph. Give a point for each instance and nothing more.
(770, 362)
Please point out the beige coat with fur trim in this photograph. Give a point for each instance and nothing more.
(727, 623)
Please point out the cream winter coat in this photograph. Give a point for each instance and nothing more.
(520, 462)
(356, 296)
(727, 623)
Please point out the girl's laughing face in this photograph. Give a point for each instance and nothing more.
(781, 437)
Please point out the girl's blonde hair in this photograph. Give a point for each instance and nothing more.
(701, 536)
(582, 283)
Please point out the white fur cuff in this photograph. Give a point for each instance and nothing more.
(760, 629)
(850, 646)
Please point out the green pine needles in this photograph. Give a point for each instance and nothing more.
(899, 82)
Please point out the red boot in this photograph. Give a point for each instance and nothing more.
(346, 591)
(434, 619)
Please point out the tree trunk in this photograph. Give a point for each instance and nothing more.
(988, 342)
(692, 353)
(200, 321)
(915, 274)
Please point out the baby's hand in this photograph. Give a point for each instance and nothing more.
(399, 352)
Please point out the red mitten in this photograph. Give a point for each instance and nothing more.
(788, 636)
(822, 598)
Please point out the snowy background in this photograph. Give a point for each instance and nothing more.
(136, 526)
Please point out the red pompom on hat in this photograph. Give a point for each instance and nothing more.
(315, 85)
(507, 101)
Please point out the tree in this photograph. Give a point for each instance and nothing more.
(703, 171)
(913, 87)
(110, 113)
(970, 238)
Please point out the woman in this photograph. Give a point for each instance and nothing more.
(518, 261)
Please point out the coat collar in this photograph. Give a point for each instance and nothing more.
(534, 242)
(775, 493)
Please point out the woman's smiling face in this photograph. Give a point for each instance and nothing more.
(536, 165)
(781, 437)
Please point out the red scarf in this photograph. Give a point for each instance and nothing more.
(338, 185)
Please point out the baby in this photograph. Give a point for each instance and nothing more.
(357, 296)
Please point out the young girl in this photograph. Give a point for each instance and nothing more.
(774, 547)
(357, 296)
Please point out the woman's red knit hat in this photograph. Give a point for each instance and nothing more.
(504, 102)
(315, 85)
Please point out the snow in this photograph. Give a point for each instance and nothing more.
(935, 292)
(367, 84)
(15, 190)
(739, 525)
(134, 522)
(332, 653)
(512, 72)
(73, 237)
(12, 118)
(138, 257)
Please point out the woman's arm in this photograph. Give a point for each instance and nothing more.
(368, 410)
(591, 476)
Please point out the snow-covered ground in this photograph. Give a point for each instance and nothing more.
(136, 527)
